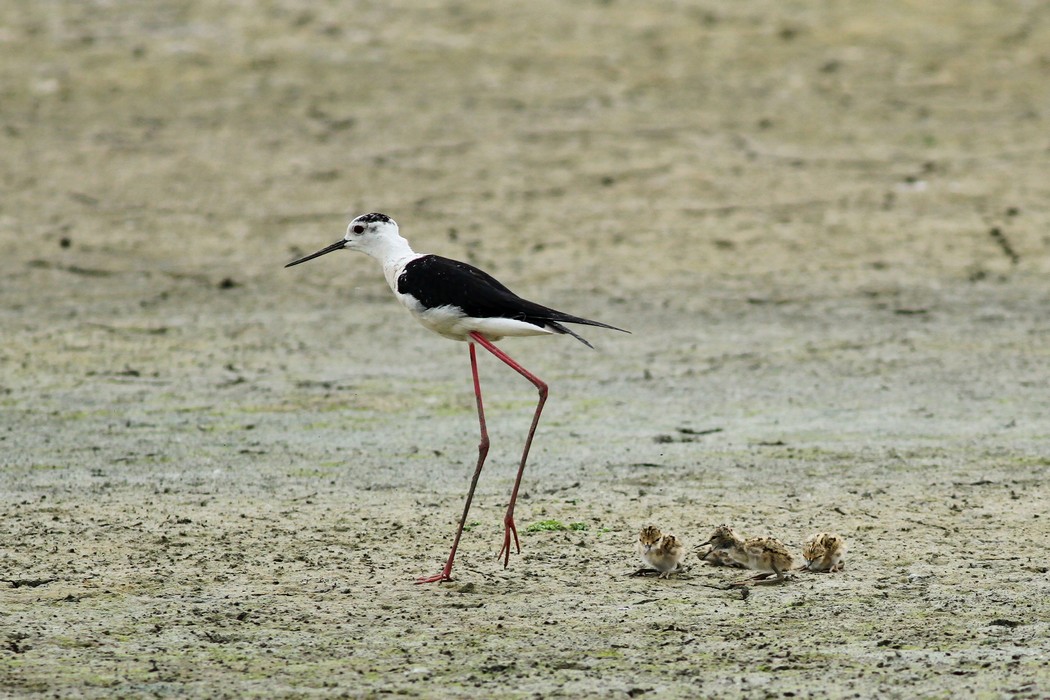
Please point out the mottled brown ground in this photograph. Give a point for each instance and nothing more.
(826, 224)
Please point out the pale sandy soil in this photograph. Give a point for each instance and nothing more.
(826, 225)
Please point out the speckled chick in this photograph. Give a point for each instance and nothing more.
(721, 541)
(765, 555)
(668, 555)
(659, 551)
(824, 552)
(647, 540)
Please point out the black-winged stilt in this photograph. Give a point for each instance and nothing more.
(460, 302)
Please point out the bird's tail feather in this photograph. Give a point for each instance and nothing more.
(554, 319)
(569, 318)
(562, 329)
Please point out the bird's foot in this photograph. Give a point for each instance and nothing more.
(508, 530)
(764, 581)
(753, 581)
(774, 581)
(445, 575)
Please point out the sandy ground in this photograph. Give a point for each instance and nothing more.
(825, 224)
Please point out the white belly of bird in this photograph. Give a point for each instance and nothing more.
(450, 322)
(660, 562)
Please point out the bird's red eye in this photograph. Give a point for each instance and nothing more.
(359, 229)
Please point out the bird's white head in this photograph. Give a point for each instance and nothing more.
(369, 232)
(374, 234)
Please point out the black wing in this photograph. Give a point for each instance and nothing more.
(436, 281)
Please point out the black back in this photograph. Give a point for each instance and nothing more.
(436, 281)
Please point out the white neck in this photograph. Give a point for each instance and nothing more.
(393, 253)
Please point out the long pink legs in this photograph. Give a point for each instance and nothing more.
(541, 387)
(483, 450)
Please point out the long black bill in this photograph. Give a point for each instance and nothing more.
(338, 245)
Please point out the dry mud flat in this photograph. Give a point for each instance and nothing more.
(826, 226)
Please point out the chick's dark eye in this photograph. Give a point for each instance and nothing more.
(359, 229)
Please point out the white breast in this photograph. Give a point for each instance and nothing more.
(451, 322)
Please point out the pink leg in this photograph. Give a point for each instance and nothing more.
(508, 519)
(483, 450)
